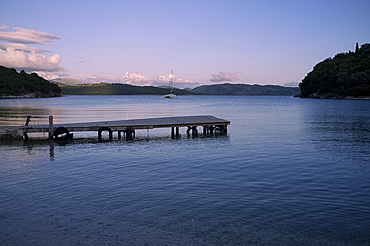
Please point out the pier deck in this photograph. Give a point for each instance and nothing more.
(128, 127)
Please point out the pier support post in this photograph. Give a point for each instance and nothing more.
(225, 129)
(51, 127)
(194, 131)
(130, 134)
(188, 130)
(25, 135)
(205, 131)
(105, 129)
(28, 120)
(173, 134)
(119, 134)
(222, 129)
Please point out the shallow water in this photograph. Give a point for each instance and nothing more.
(290, 171)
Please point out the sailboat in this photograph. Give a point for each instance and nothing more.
(171, 95)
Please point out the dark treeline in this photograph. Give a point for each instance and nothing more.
(347, 74)
(14, 84)
(245, 89)
(117, 89)
(219, 89)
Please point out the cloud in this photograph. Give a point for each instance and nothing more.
(96, 78)
(136, 78)
(291, 84)
(224, 76)
(16, 54)
(133, 78)
(23, 47)
(52, 75)
(29, 61)
(26, 36)
(163, 80)
(166, 78)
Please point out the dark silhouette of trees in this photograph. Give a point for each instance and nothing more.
(347, 74)
(14, 84)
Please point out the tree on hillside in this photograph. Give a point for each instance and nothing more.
(13, 83)
(347, 74)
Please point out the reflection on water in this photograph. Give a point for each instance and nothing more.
(290, 172)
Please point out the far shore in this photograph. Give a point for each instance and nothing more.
(32, 95)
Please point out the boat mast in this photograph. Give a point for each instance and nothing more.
(171, 76)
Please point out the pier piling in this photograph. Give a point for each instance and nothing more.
(51, 127)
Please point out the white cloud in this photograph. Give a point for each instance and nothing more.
(224, 76)
(163, 81)
(32, 61)
(136, 78)
(23, 47)
(22, 57)
(166, 78)
(51, 75)
(26, 36)
(96, 78)
(291, 84)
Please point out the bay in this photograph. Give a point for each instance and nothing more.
(290, 171)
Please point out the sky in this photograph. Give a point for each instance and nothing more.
(203, 41)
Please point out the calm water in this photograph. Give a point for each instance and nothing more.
(290, 172)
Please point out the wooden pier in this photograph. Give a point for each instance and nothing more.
(127, 128)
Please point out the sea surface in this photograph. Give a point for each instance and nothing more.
(290, 171)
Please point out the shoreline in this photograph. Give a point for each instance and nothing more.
(32, 95)
(334, 97)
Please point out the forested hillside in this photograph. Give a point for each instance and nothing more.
(347, 74)
(14, 84)
(117, 89)
(245, 89)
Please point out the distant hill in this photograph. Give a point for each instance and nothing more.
(245, 89)
(118, 89)
(345, 75)
(66, 81)
(17, 85)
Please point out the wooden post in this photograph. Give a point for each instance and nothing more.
(130, 133)
(105, 128)
(205, 131)
(25, 135)
(51, 127)
(177, 132)
(172, 132)
(194, 131)
(28, 120)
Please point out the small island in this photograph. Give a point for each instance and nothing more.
(347, 75)
(23, 85)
